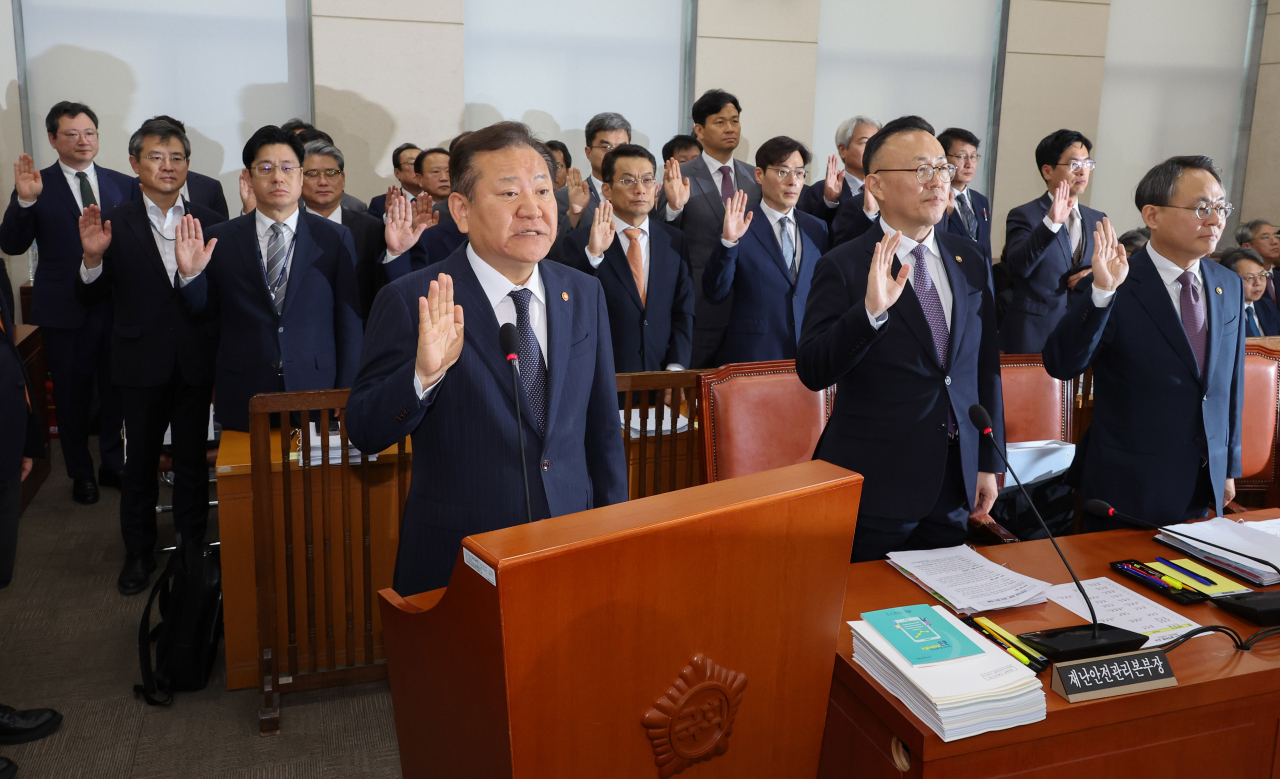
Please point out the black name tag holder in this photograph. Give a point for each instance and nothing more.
(1104, 677)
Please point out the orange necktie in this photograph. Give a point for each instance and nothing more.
(5, 333)
(635, 258)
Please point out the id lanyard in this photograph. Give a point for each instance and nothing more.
(283, 278)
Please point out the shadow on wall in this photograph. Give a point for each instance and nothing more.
(208, 157)
(363, 131)
(97, 79)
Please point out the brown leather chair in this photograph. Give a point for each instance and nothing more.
(1259, 426)
(1037, 407)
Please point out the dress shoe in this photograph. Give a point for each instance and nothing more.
(8, 768)
(135, 575)
(108, 477)
(84, 491)
(19, 727)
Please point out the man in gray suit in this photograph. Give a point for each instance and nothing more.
(577, 200)
(692, 199)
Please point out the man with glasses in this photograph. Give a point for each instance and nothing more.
(402, 160)
(844, 172)
(968, 210)
(641, 265)
(200, 189)
(1164, 335)
(280, 283)
(162, 357)
(562, 159)
(1048, 243)
(1261, 318)
(766, 259)
(323, 181)
(45, 207)
(578, 200)
(1260, 235)
(902, 319)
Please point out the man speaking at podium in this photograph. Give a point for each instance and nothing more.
(422, 374)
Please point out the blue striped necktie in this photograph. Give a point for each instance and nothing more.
(277, 254)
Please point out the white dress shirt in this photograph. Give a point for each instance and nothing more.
(1169, 272)
(335, 217)
(717, 177)
(497, 289)
(598, 186)
(91, 172)
(775, 221)
(933, 261)
(164, 229)
(263, 224)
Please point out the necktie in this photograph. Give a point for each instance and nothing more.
(533, 372)
(86, 192)
(789, 248)
(726, 182)
(1253, 330)
(5, 334)
(635, 258)
(966, 215)
(933, 314)
(1193, 320)
(277, 254)
(1073, 232)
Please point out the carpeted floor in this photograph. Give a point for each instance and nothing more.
(68, 640)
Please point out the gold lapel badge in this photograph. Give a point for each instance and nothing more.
(1219, 290)
(565, 295)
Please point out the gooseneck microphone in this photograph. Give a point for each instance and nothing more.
(1078, 641)
(509, 340)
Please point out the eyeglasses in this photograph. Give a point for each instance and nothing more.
(604, 147)
(331, 173)
(266, 169)
(1252, 277)
(76, 135)
(1079, 165)
(1205, 210)
(965, 158)
(797, 174)
(925, 173)
(646, 182)
(160, 159)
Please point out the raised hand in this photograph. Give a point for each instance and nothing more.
(401, 231)
(675, 187)
(736, 218)
(834, 184)
(439, 332)
(27, 179)
(1061, 204)
(95, 236)
(579, 193)
(1110, 263)
(951, 201)
(248, 200)
(602, 230)
(189, 248)
(869, 205)
(883, 288)
(424, 212)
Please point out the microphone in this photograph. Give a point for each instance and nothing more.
(509, 340)
(1077, 642)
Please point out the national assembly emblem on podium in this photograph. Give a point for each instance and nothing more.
(692, 721)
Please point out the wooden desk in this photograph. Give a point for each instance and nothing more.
(31, 348)
(235, 529)
(1220, 721)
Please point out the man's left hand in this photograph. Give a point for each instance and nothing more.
(833, 186)
(1228, 493)
(27, 463)
(984, 495)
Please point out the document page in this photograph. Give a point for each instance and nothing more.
(969, 581)
(1121, 607)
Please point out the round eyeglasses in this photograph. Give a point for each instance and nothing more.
(925, 173)
(1205, 210)
(1079, 165)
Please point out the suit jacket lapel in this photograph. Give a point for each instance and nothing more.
(109, 196)
(139, 222)
(1213, 307)
(762, 231)
(559, 334)
(616, 260)
(703, 179)
(305, 252)
(246, 242)
(1154, 297)
(53, 177)
(959, 298)
(908, 305)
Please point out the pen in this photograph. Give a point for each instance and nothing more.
(1013, 640)
(1185, 572)
(1007, 647)
(1144, 575)
(1172, 582)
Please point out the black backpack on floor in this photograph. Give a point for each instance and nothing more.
(189, 591)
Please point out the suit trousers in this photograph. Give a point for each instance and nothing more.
(148, 411)
(946, 524)
(1203, 504)
(10, 508)
(80, 359)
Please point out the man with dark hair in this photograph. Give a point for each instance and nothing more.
(200, 189)
(681, 148)
(844, 173)
(1132, 241)
(1046, 260)
(968, 210)
(563, 159)
(641, 265)
(766, 259)
(693, 199)
(578, 200)
(162, 357)
(402, 159)
(903, 321)
(1261, 317)
(1260, 235)
(432, 169)
(45, 207)
(1167, 352)
(280, 283)
(418, 377)
(297, 125)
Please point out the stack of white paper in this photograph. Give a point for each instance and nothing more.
(957, 698)
(651, 426)
(1238, 536)
(966, 581)
(1036, 460)
(335, 451)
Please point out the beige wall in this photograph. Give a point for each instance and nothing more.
(766, 53)
(10, 142)
(1051, 80)
(386, 72)
(1261, 184)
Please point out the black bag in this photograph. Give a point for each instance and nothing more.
(1053, 496)
(190, 595)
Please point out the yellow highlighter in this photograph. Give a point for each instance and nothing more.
(1172, 582)
(1012, 639)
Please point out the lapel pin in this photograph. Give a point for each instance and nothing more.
(565, 295)
(1218, 290)
(959, 258)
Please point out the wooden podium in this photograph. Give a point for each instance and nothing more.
(634, 640)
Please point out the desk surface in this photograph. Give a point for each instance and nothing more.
(1208, 669)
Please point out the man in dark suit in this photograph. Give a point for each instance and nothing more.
(693, 200)
(641, 265)
(562, 159)
(162, 360)
(402, 159)
(457, 401)
(578, 199)
(21, 439)
(1164, 333)
(280, 283)
(904, 324)
(766, 258)
(200, 189)
(851, 140)
(1261, 236)
(968, 210)
(324, 179)
(1048, 243)
(45, 207)
(1261, 318)
(681, 148)
(432, 170)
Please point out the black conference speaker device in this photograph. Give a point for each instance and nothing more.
(1260, 608)
(1078, 642)
(509, 340)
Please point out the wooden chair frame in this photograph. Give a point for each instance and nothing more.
(640, 392)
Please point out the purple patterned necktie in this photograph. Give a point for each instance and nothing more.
(533, 372)
(930, 302)
(1193, 320)
(726, 182)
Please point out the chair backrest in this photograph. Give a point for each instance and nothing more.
(662, 455)
(1259, 414)
(1037, 407)
(759, 416)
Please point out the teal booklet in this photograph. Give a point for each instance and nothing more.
(921, 635)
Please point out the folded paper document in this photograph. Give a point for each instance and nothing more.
(966, 581)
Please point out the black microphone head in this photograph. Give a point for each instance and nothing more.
(980, 418)
(509, 339)
(1098, 508)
